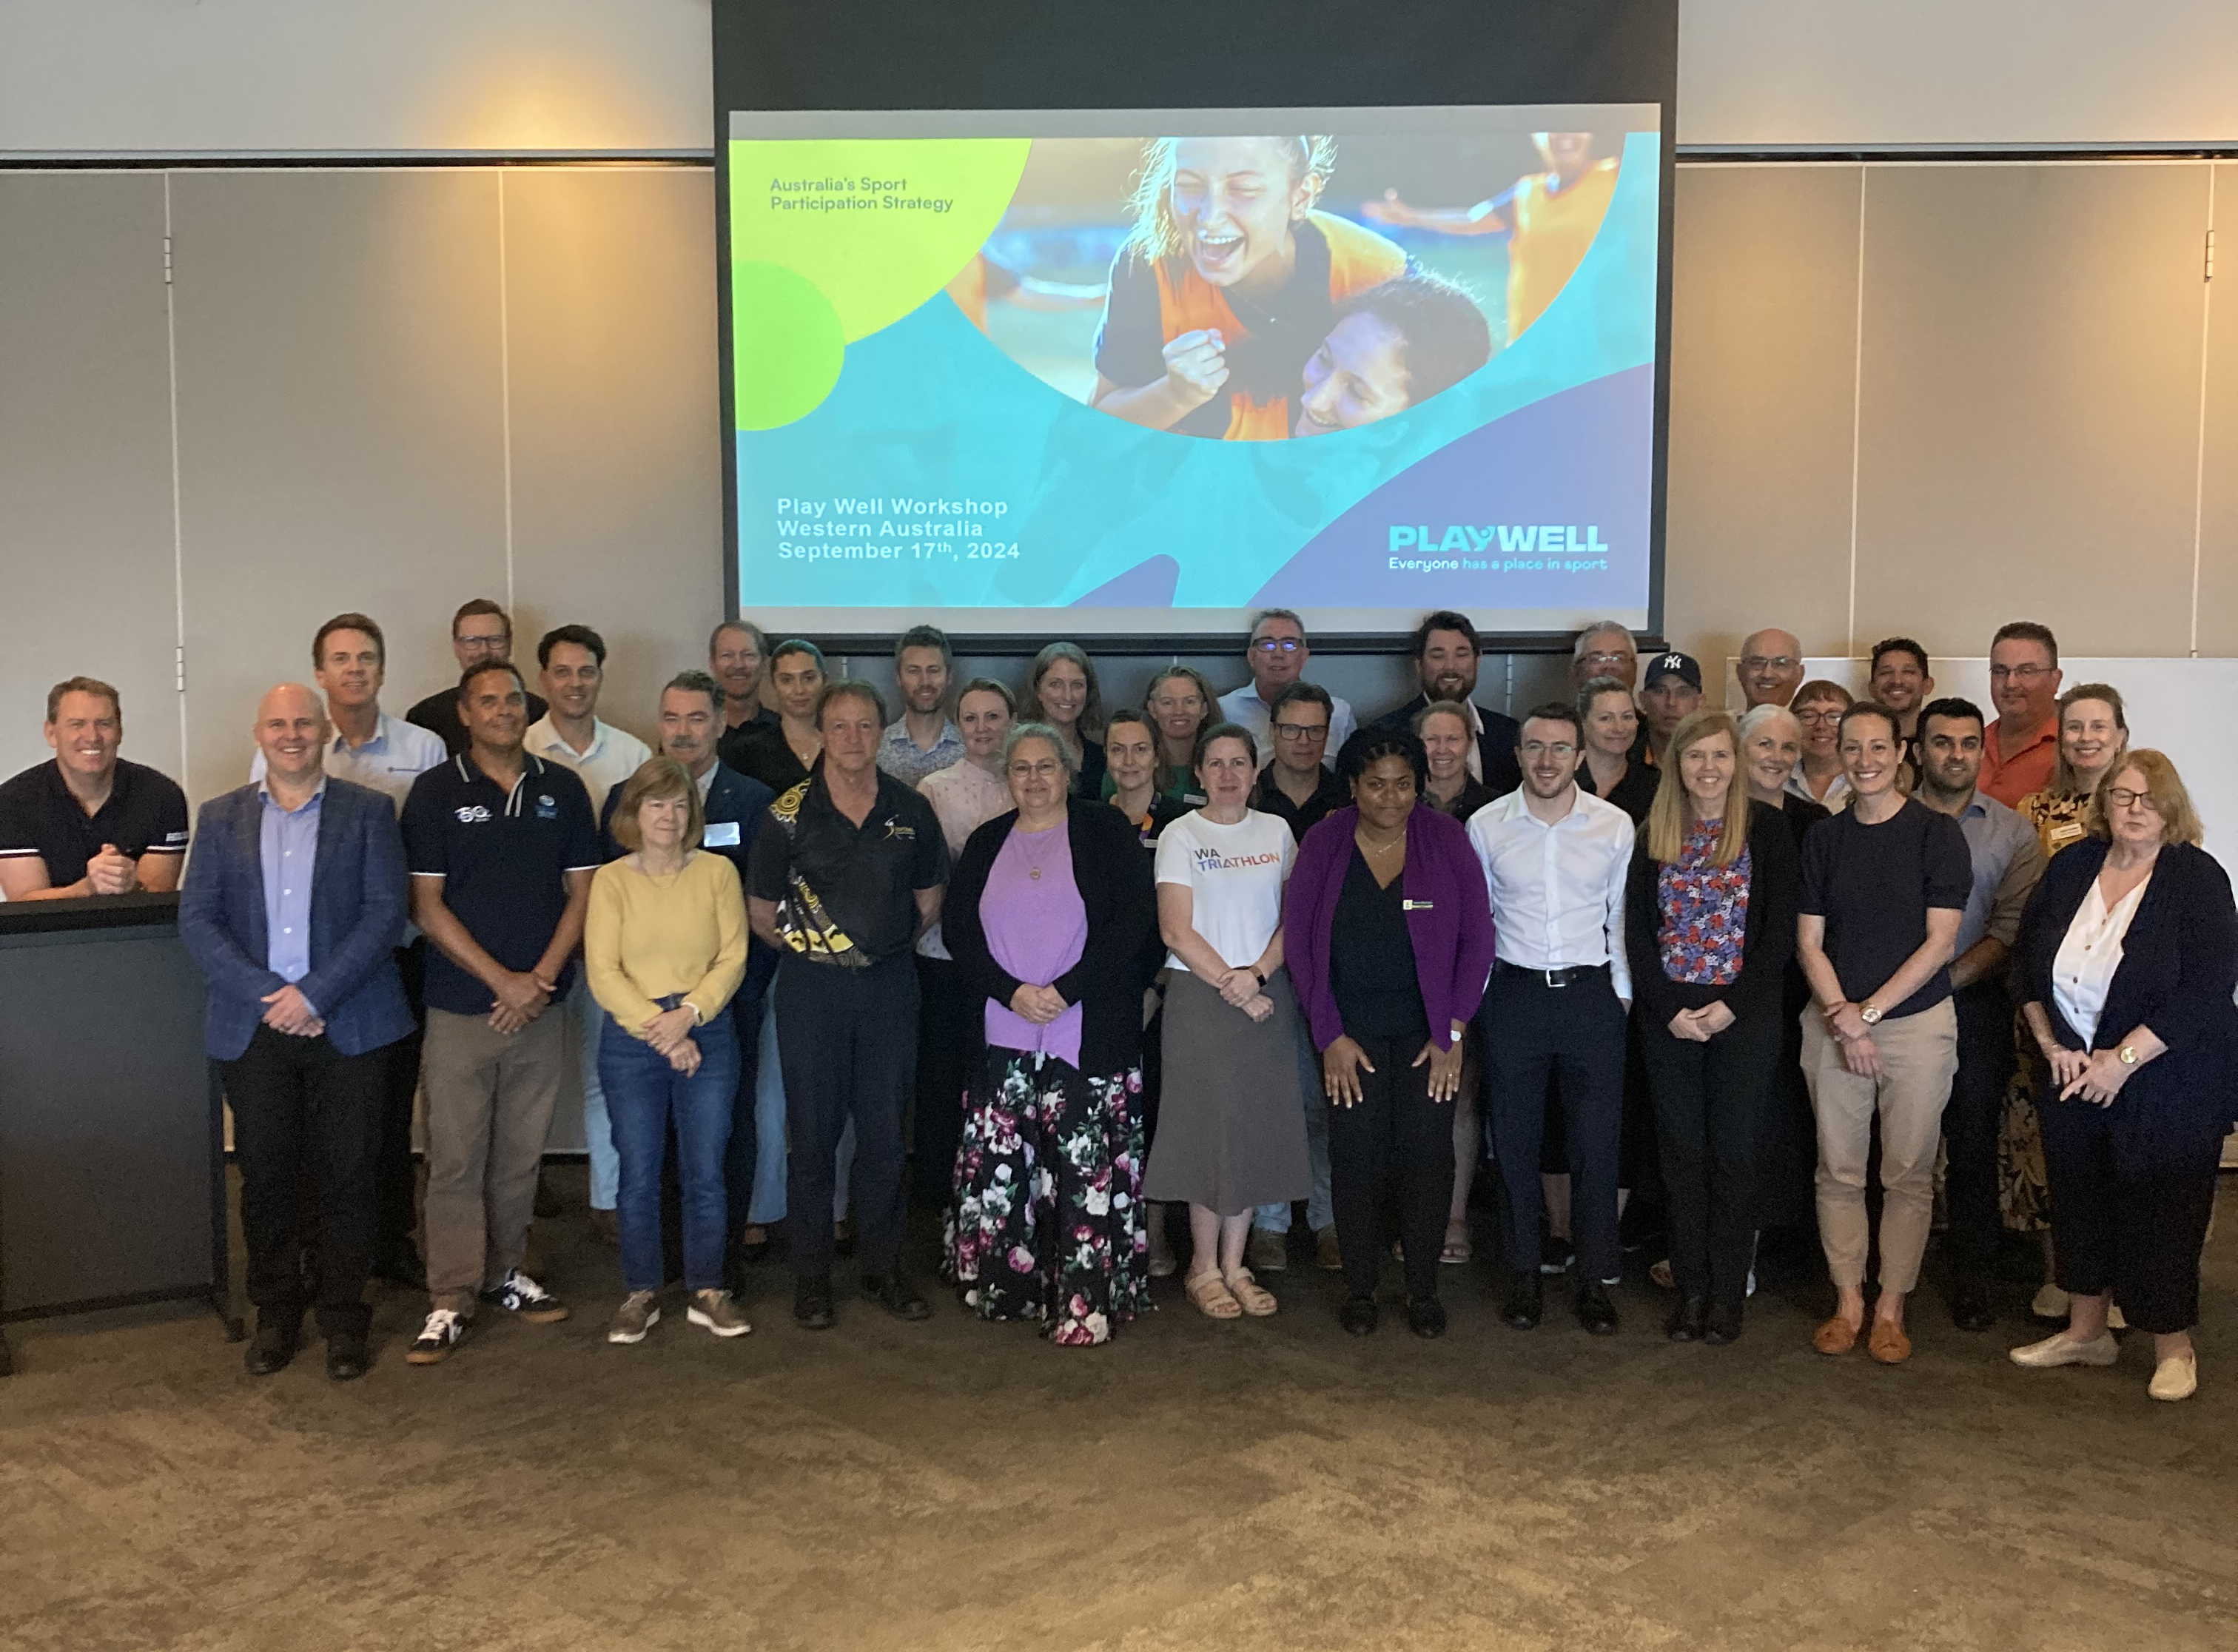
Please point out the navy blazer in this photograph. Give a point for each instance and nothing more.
(1495, 745)
(2179, 967)
(358, 905)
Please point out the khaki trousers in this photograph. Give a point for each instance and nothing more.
(490, 1097)
(1920, 1054)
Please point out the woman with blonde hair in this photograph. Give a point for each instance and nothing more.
(2129, 954)
(665, 946)
(1710, 909)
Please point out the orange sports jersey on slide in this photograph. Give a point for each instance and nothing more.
(1549, 236)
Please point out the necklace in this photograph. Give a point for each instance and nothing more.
(1392, 842)
(1033, 867)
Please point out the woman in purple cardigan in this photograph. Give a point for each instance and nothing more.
(1387, 931)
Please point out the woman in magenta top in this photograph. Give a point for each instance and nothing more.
(1709, 908)
(1049, 915)
(1387, 927)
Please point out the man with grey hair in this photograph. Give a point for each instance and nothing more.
(1771, 667)
(1277, 653)
(736, 649)
(1608, 649)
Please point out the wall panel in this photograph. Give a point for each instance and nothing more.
(617, 478)
(2031, 407)
(2218, 539)
(85, 457)
(342, 420)
(1763, 378)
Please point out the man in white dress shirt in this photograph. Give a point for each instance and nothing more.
(349, 659)
(1554, 860)
(1277, 654)
(571, 669)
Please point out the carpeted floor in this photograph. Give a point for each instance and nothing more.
(1270, 1484)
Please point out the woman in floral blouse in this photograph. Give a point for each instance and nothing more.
(1048, 913)
(1709, 925)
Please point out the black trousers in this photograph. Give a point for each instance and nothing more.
(1711, 1102)
(947, 1046)
(743, 1155)
(1394, 1140)
(2124, 1219)
(1971, 1119)
(848, 1040)
(300, 1103)
(1576, 1034)
(394, 1204)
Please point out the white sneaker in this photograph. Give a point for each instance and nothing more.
(2063, 1350)
(714, 1310)
(640, 1313)
(2051, 1303)
(436, 1338)
(2175, 1377)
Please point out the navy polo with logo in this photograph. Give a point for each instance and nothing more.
(503, 858)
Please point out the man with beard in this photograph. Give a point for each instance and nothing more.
(2008, 860)
(1446, 655)
(923, 740)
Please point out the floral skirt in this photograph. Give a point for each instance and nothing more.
(1046, 1221)
(2023, 1191)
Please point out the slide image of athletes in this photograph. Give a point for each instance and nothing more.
(1260, 287)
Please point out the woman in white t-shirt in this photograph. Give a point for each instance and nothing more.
(1231, 1133)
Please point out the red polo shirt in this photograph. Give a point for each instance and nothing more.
(2010, 779)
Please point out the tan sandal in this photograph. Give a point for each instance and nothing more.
(1255, 1298)
(1210, 1294)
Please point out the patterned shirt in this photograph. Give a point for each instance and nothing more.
(1704, 909)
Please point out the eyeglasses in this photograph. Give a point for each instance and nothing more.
(2020, 674)
(1554, 748)
(2122, 798)
(1277, 645)
(1302, 731)
(1759, 662)
(1046, 767)
(1831, 714)
(1605, 658)
(500, 643)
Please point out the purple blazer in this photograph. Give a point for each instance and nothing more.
(1449, 920)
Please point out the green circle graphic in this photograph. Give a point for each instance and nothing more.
(787, 345)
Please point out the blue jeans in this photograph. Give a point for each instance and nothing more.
(642, 1092)
(597, 1135)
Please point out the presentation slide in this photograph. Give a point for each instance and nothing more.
(1112, 372)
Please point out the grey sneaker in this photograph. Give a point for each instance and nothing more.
(640, 1313)
(1266, 1252)
(715, 1311)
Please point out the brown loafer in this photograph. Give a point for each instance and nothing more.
(1888, 1343)
(1836, 1336)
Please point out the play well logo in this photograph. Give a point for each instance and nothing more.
(1508, 547)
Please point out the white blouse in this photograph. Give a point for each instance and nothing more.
(2084, 967)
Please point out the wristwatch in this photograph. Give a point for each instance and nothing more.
(2127, 1055)
(1869, 1014)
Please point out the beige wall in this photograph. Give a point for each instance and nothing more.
(397, 388)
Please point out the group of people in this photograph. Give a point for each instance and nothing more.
(1228, 951)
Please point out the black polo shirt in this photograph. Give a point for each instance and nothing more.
(846, 895)
(146, 814)
(504, 859)
(1330, 796)
(439, 715)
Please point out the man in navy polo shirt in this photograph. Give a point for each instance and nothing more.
(502, 846)
(90, 823)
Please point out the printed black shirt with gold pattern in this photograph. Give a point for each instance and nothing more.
(845, 894)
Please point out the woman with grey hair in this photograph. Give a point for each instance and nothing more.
(1048, 914)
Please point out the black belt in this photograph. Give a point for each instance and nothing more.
(1569, 977)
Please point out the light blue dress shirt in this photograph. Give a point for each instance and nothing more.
(288, 846)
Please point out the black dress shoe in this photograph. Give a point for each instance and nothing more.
(1595, 1311)
(753, 1250)
(897, 1296)
(1722, 1325)
(347, 1358)
(1970, 1305)
(812, 1302)
(273, 1346)
(1426, 1317)
(1685, 1323)
(1524, 1302)
(1358, 1316)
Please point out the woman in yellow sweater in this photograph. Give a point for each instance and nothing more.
(664, 945)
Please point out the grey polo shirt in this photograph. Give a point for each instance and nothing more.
(2008, 860)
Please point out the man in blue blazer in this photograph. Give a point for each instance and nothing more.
(734, 805)
(293, 905)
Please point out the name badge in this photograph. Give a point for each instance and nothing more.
(1416, 906)
(2066, 833)
(721, 835)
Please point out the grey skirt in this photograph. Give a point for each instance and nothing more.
(1231, 1124)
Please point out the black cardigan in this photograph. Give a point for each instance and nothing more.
(2179, 966)
(1767, 945)
(1114, 878)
